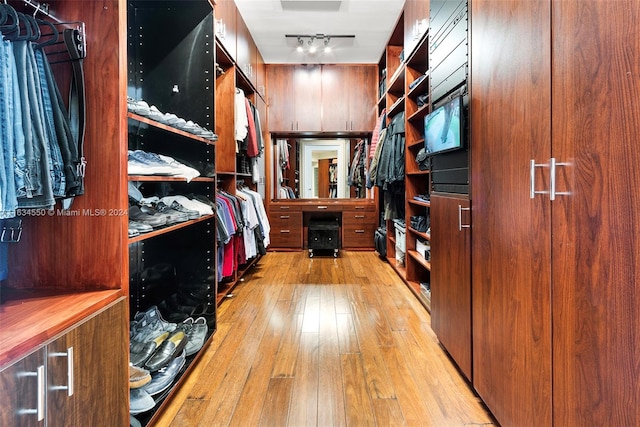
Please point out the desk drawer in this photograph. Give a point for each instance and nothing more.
(358, 218)
(286, 230)
(358, 235)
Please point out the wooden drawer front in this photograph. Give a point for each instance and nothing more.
(286, 229)
(358, 219)
(277, 208)
(358, 236)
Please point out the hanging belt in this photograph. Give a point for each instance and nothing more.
(73, 42)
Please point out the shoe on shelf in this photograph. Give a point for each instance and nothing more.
(140, 401)
(139, 163)
(139, 227)
(155, 114)
(173, 216)
(197, 334)
(191, 214)
(138, 107)
(149, 325)
(138, 377)
(132, 231)
(138, 358)
(133, 422)
(168, 350)
(163, 378)
(136, 214)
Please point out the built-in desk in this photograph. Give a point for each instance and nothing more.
(289, 220)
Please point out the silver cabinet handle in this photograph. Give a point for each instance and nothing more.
(284, 207)
(41, 385)
(532, 178)
(460, 225)
(70, 373)
(359, 216)
(285, 231)
(322, 207)
(359, 231)
(285, 216)
(553, 164)
(552, 182)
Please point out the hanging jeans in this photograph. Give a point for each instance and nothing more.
(8, 202)
(57, 164)
(39, 191)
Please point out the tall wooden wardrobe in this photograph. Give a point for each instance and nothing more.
(555, 124)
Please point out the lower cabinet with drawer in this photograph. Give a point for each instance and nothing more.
(358, 227)
(286, 229)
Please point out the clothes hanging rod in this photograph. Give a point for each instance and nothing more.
(42, 8)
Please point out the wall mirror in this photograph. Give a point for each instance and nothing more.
(320, 168)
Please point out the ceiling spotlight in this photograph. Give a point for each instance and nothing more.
(300, 45)
(327, 48)
(312, 47)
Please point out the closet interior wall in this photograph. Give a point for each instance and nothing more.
(71, 267)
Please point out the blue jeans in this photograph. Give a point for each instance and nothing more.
(8, 200)
(38, 179)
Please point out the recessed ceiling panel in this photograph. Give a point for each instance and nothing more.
(311, 5)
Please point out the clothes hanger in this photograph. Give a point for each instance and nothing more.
(9, 14)
(54, 33)
(34, 29)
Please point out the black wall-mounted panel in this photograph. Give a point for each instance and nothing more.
(448, 59)
(171, 66)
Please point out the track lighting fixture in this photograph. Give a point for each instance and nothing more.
(311, 38)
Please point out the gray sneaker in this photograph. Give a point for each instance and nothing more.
(197, 332)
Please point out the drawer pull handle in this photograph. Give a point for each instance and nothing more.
(322, 207)
(285, 231)
(359, 207)
(70, 374)
(359, 216)
(359, 231)
(285, 216)
(284, 207)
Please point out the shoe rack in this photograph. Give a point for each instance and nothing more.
(177, 259)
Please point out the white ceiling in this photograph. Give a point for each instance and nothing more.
(371, 21)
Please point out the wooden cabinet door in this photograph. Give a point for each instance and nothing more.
(335, 103)
(244, 47)
(596, 122)
(307, 93)
(416, 23)
(362, 86)
(451, 276)
(281, 109)
(225, 26)
(20, 404)
(510, 99)
(101, 360)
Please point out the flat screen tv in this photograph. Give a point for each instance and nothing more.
(443, 128)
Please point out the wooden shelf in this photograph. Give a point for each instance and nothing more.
(418, 257)
(30, 318)
(419, 203)
(168, 229)
(418, 233)
(168, 128)
(162, 178)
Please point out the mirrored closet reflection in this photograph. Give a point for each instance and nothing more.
(320, 168)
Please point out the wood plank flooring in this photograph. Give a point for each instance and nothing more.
(324, 342)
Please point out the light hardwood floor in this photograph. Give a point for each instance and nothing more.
(324, 342)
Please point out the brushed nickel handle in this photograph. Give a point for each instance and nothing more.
(532, 178)
(285, 216)
(70, 373)
(359, 216)
(285, 231)
(553, 164)
(359, 231)
(41, 384)
(460, 225)
(322, 207)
